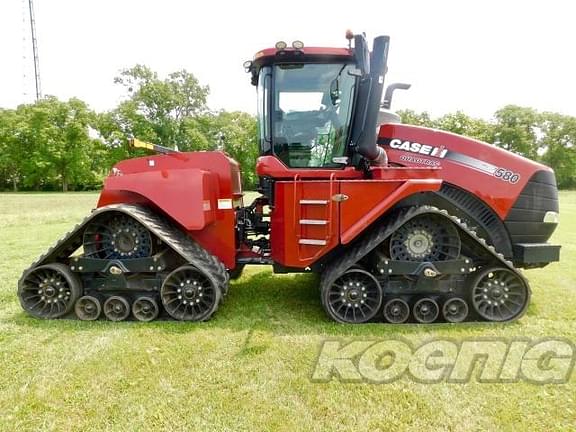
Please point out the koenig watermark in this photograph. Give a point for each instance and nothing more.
(494, 360)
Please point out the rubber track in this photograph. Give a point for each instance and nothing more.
(376, 236)
(165, 230)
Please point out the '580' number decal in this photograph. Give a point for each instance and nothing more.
(506, 175)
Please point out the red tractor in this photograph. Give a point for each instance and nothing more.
(402, 223)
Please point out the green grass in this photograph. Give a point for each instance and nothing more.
(248, 368)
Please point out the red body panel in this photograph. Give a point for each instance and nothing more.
(468, 163)
(166, 187)
(297, 203)
(196, 190)
(370, 199)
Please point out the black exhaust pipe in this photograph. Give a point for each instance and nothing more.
(372, 99)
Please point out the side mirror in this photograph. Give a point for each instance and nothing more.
(390, 92)
(362, 54)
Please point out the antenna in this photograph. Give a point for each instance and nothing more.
(35, 50)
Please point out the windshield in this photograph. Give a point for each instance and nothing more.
(311, 112)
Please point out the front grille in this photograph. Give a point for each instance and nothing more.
(525, 221)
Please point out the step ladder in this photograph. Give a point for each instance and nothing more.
(323, 219)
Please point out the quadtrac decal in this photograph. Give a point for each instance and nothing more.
(441, 152)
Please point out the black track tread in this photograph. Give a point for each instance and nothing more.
(164, 229)
(371, 239)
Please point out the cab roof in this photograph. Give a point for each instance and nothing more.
(269, 52)
(306, 54)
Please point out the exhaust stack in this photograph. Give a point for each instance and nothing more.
(369, 101)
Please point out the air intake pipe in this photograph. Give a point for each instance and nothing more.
(366, 142)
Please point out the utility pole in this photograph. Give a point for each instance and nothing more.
(35, 50)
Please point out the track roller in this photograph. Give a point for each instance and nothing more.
(426, 310)
(88, 308)
(354, 297)
(455, 310)
(499, 294)
(189, 294)
(396, 311)
(145, 309)
(49, 291)
(116, 308)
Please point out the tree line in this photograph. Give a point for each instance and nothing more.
(64, 145)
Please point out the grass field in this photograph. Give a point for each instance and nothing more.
(248, 368)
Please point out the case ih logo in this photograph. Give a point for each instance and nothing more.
(415, 147)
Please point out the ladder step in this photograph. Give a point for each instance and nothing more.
(313, 222)
(313, 242)
(310, 201)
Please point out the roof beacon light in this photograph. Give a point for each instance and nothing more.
(297, 44)
(281, 45)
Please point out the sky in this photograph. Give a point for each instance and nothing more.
(475, 56)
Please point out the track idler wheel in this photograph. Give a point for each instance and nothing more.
(189, 294)
(88, 308)
(396, 311)
(426, 310)
(49, 291)
(354, 297)
(499, 294)
(455, 310)
(116, 308)
(145, 309)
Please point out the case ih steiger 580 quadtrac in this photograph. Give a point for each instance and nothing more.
(401, 222)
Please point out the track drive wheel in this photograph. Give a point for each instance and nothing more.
(49, 291)
(116, 236)
(354, 297)
(189, 294)
(499, 294)
(425, 238)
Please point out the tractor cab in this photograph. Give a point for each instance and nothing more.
(318, 107)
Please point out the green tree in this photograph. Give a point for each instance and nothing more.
(12, 152)
(161, 110)
(417, 119)
(462, 124)
(517, 129)
(59, 150)
(236, 134)
(558, 145)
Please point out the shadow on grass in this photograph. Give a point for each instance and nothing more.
(281, 304)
